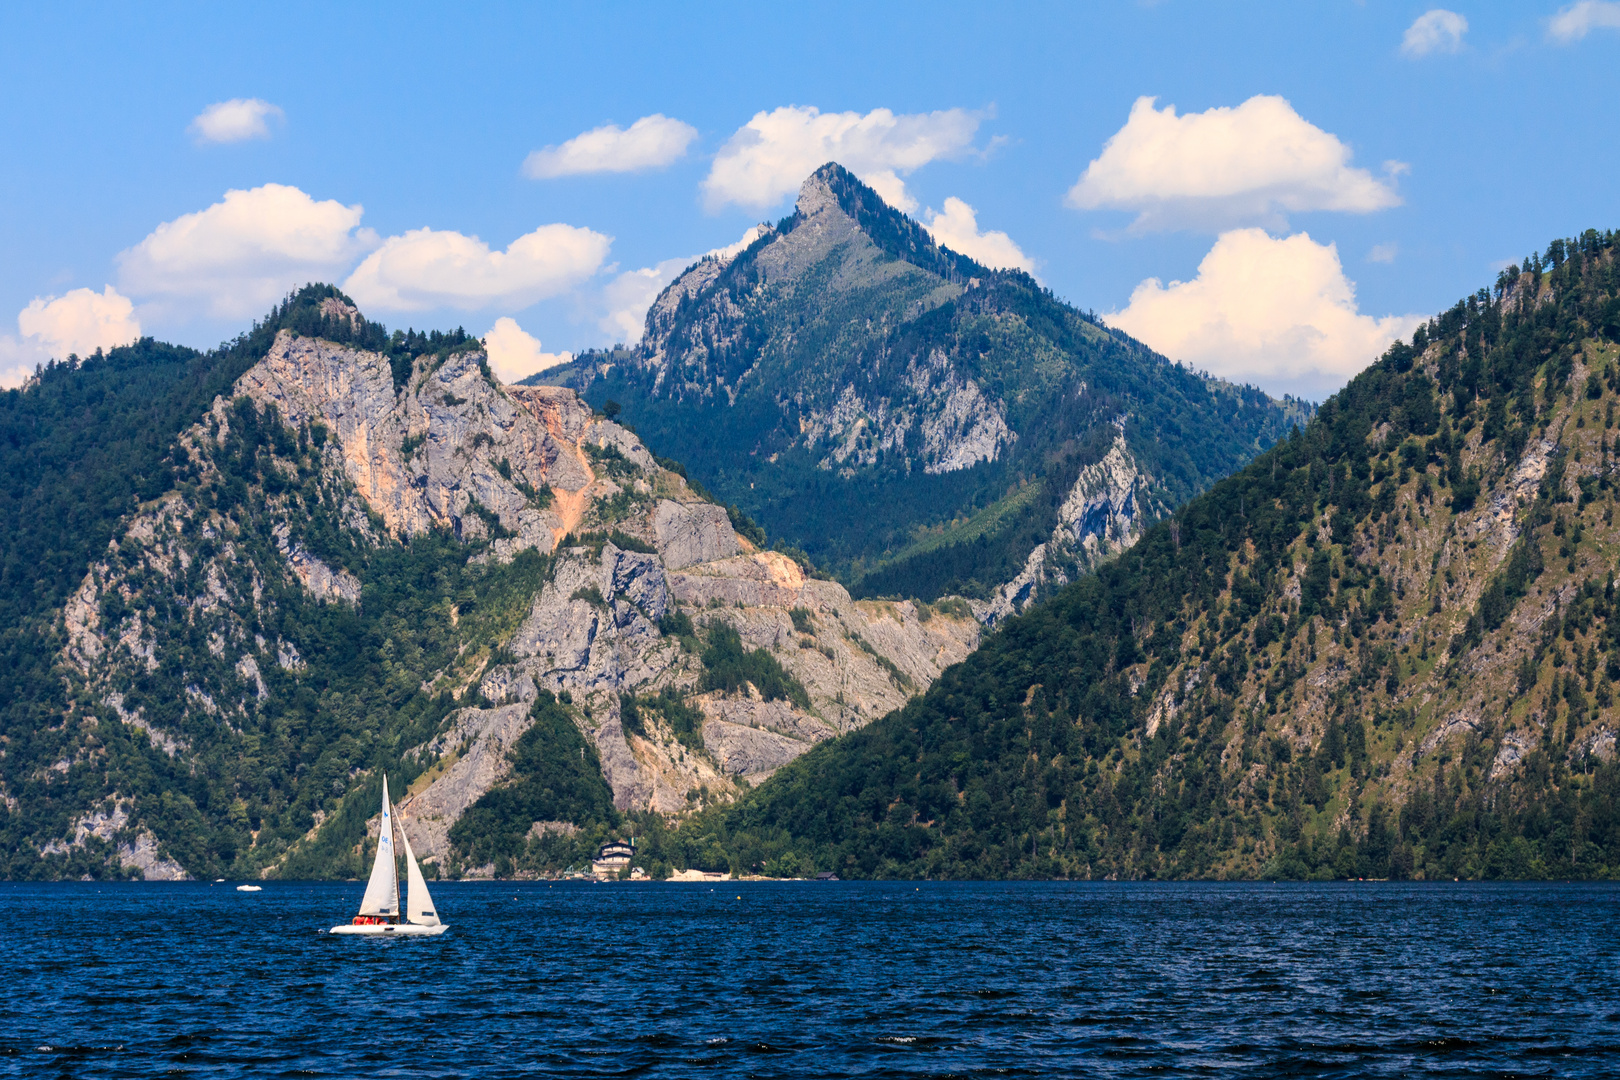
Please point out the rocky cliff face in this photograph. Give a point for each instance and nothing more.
(592, 634)
(1104, 513)
(579, 552)
(108, 829)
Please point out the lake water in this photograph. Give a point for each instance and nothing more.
(816, 980)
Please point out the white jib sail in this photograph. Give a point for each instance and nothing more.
(382, 891)
(420, 904)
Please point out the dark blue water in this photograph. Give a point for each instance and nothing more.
(816, 980)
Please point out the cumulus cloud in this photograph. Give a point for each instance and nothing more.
(515, 354)
(1251, 164)
(246, 251)
(1434, 31)
(957, 227)
(81, 321)
(53, 327)
(235, 120)
(18, 359)
(769, 157)
(650, 143)
(428, 268)
(1278, 313)
(629, 295)
(731, 251)
(1577, 20)
(1383, 253)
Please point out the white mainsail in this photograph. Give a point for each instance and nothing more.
(420, 904)
(382, 891)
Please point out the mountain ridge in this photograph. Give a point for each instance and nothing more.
(862, 391)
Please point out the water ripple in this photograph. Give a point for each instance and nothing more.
(817, 980)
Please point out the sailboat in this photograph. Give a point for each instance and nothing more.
(379, 908)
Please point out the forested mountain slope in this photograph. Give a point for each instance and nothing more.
(350, 552)
(1387, 648)
(78, 448)
(918, 423)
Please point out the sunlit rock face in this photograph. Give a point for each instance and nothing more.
(1104, 513)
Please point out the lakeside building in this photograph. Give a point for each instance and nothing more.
(612, 857)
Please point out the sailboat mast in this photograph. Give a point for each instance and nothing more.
(393, 849)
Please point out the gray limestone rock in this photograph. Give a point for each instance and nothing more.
(764, 579)
(472, 759)
(749, 752)
(693, 533)
(422, 456)
(594, 625)
(777, 716)
(136, 847)
(1106, 510)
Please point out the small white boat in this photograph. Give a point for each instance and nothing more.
(379, 908)
(250, 888)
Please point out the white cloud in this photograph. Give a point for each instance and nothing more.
(731, 251)
(1246, 165)
(515, 354)
(958, 229)
(1576, 21)
(245, 252)
(52, 327)
(235, 120)
(427, 268)
(1434, 31)
(18, 360)
(239, 256)
(81, 321)
(629, 295)
(769, 157)
(650, 143)
(1383, 253)
(1278, 313)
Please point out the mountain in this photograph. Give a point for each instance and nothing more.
(1386, 648)
(920, 424)
(268, 574)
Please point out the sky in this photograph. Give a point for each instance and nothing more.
(1271, 192)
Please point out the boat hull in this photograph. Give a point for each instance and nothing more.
(389, 930)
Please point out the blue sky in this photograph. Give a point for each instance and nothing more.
(1426, 146)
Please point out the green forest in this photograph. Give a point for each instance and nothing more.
(88, 442)
(1032, 758)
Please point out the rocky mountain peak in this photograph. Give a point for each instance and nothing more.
(1388, 648)
(817, 194)
(335, 308)
(848, 342)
